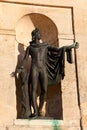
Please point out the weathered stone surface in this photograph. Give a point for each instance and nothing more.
(73, 128)
(7, 84)
(37, 124)
(3, 128)
(37, 128)
(42, 128)
(71, 113)
(46, 123)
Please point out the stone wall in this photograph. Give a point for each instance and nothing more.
(61, 23)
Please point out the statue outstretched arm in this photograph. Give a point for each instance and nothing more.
(74, 45)
(67, 47)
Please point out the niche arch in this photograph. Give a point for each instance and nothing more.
(28, 22)
(49, 34)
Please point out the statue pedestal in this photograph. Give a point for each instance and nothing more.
(44, 124)
(38, 124)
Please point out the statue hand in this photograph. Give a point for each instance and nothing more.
(13, 74)
(76, 45)
(18, 71)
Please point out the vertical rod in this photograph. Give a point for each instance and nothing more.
(76, 70)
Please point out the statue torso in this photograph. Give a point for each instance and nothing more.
(38, 53)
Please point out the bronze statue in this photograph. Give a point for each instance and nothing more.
(43, 69)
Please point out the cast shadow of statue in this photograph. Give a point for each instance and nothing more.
(21, 81)
(18, 80)
(54, 102)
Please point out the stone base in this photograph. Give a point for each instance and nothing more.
(43, 124)
(38, 124)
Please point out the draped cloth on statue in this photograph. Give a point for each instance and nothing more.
(55, 65)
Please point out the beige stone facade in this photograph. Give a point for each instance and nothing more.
(62, 23)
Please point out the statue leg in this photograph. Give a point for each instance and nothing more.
(43, 84)
(34, 83)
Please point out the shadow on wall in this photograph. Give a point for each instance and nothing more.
(18, 81)
(49, 33)
(54, 102)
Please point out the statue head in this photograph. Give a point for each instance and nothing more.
(36, 34)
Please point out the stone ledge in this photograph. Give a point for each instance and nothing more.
(46, 123)
(42, 128)
(38, 122)
(7, 32)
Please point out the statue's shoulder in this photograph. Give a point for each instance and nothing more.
(45, 44)
(32, 44)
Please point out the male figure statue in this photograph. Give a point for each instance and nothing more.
(38, 71)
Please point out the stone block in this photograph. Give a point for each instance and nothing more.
(84, 120)
(36, 128)
(73, 128)
(40, 122)
(3, 128)
(37, 125)
(71, 113)
(71, 123)
(84, 128)
(7, 84)
(70, 100)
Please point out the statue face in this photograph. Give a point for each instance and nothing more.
(38, 35)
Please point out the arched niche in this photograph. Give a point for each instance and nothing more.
(49, 34)
(30, 21)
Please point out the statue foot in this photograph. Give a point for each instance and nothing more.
(40, 114)
(75, 45)
(33, 116)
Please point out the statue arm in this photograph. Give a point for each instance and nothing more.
(74, 45)
(67, 47)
